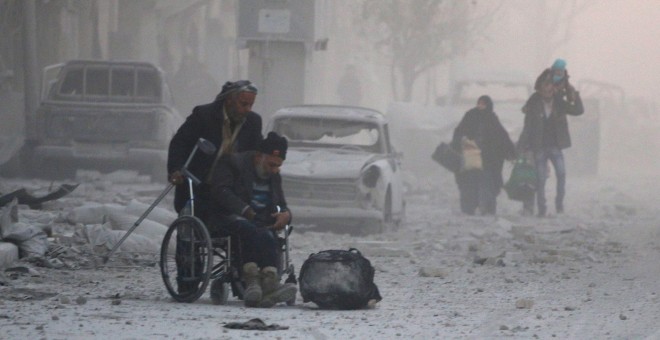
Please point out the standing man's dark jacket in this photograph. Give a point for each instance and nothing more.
(485, 128)
(231, 187)
(206, 122)
(539, 131)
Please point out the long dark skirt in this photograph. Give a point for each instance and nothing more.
(477, 189)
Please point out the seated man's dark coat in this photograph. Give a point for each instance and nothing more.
(231, 188)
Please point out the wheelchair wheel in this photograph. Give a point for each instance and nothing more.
(186, 259)
(219, 292)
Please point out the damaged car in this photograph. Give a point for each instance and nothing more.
(341, 170)
(104, 115)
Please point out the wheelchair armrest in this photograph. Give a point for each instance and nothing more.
(288, 229)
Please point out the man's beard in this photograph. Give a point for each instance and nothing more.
(261, 173)
(234, 116)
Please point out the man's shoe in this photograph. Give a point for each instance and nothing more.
(284, 293)
(253, 292)
(273, 291)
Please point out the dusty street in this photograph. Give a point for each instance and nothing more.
(590, 273)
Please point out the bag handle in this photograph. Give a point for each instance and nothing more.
(353, 250)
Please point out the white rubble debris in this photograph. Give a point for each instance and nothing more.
(590, 273)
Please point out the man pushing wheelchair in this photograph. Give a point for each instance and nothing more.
(248, 202)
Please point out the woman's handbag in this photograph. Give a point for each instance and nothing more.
(446, 156)
(521, 185)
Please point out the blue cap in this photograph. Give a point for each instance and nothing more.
(559, 64)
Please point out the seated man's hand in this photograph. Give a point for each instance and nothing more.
(281, 220)
(175, 178)
(249, 214)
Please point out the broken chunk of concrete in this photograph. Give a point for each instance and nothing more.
(31, 240)
(102, 239)
(433, 272)
(160, 215)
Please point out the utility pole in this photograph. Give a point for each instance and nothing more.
(31, 81)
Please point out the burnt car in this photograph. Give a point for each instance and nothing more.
(341, 171)
(105, 115)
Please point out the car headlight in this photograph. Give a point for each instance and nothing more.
(370, 177)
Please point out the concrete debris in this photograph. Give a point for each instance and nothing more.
(92, 213)
(32, 241)
(433, 272)
(524, 304)
(151, 229)
(102, 238)
(158, 214)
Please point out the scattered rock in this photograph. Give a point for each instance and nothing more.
(623, 317)
(524, 304)
(489, 261)
(81, 300)
(64, 300)
(433, 272)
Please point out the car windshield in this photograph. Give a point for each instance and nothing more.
(117, 84)
(330, 133)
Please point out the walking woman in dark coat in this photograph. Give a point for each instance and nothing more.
(479, 187)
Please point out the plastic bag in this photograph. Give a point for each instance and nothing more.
(521, 185)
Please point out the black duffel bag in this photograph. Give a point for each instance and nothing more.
(449, 158)
(338, 279)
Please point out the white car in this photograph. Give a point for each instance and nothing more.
(341, 171)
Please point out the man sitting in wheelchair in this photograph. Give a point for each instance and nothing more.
(246, 187)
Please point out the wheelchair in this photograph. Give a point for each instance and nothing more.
(191, 258)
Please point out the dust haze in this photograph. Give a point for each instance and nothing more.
(612, 42)
(590, 272)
